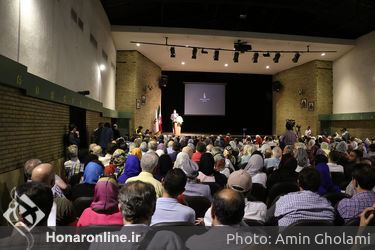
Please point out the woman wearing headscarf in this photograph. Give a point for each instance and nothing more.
(207, 172)
(230, 160)
(165, 164)
(137, 152)
(325, 147)
(132, 168)
(190, 168)
(286, 171)
(326, 184)
(254, 168)
(93, 171)
(302, 159)
(104, 209)
(117, 163)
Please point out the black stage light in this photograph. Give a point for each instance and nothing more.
(296, 57)
(255, 57)
(266, 54)
(194, 54)
(276, 58)
(235, 57)
(216, 55)
(173, 52)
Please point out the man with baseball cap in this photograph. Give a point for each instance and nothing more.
(240, 181)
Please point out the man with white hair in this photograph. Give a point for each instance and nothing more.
(143, 147)
(274, 160)
(148, 164)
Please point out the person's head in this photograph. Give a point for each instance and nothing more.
(249, 149)
(268, 153)
(355, 156)
(137, 201)
(29, 167)
(216, 150)
(227, 207)
(334, 156)
(72, 151)
(118, 157)
(176, 147)
(91, 147)
(240, 181)
(301, 157)
(342, 147)
(363, 177)
(308, 127)
(320, 158)
(152, 146)
(143, 147)
(309, 179)
(276, 152)
(115, 126)
(149, 162)
(97, 150)
(107, 125)
(170, 144)
(44, 173)
(72, 128)
(106, 196)
(206, 164)
(165, 164)
(111, 148)
(209, 147)
(41, 195)
(188, 150)
(174, 182)
(174, 111)
(289, 149)
(201, 147)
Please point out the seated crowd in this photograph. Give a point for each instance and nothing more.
(209, 181)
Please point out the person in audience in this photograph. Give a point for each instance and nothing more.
(117, 164)
(152, 146)
(326, 186)
(305, 204)
(333, 158)
(325, 147)
(302, 159)
(165, 164)
(176, 148)
(207, 172)
(200, 150)
(248, 150)
(188, 150)
(363, 182)
(308, 132)
(63, 212)
(254, 168)
(132, 169)
(111, 148)
(73, 166)
(137, 152)
(148, 164)
(168, 209)
(104, 210)
(354, 158)
(267, 152)
(73, 135)
(106, 136)
(240, 181)
(143, 147)
(170, 146)
(29, 167)
(116, 131)
(190, 168)
(230, 159)
(289, 137)
(208, 147)
(274, 161)
(285, 172)
(93, 171)
(222, 165)
(97, 150)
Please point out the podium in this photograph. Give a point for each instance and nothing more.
(176, 129)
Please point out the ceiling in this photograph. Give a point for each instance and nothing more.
(322, 18)
(224, 39)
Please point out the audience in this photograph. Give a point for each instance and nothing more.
(254, 168)
(168, 209)
(305, 204)
(73, 166)
(132, 169)
(104, 210)
(333, 158)
(274, 161)
(148, 164)
(302, 159)
(363, 181)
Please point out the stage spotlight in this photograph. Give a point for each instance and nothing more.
(194, 54)
(276, 58)
(204, 51)
(255, 57)
(235, 57)
(216, 55)
(173, 52)
(296, 57)
(266, 54)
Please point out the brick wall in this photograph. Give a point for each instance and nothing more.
(315, 79)
(92, 120)
(29, 128)
(361, 129)
(135, 74)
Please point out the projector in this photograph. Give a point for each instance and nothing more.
(242, 46)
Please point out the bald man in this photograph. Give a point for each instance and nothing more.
(44, 173)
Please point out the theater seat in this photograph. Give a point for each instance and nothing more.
(199, 204)
(253, 223)
(279, 189)
(173, 224)
(334, 198)
(81, 204)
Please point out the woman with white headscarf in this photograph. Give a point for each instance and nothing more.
(254, 168)
(302, 159)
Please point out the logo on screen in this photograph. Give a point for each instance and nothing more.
(204, 99)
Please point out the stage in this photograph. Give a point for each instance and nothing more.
(208, 135)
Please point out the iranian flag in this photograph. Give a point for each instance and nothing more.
(158, 120)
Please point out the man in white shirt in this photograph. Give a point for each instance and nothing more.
(308, 132)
